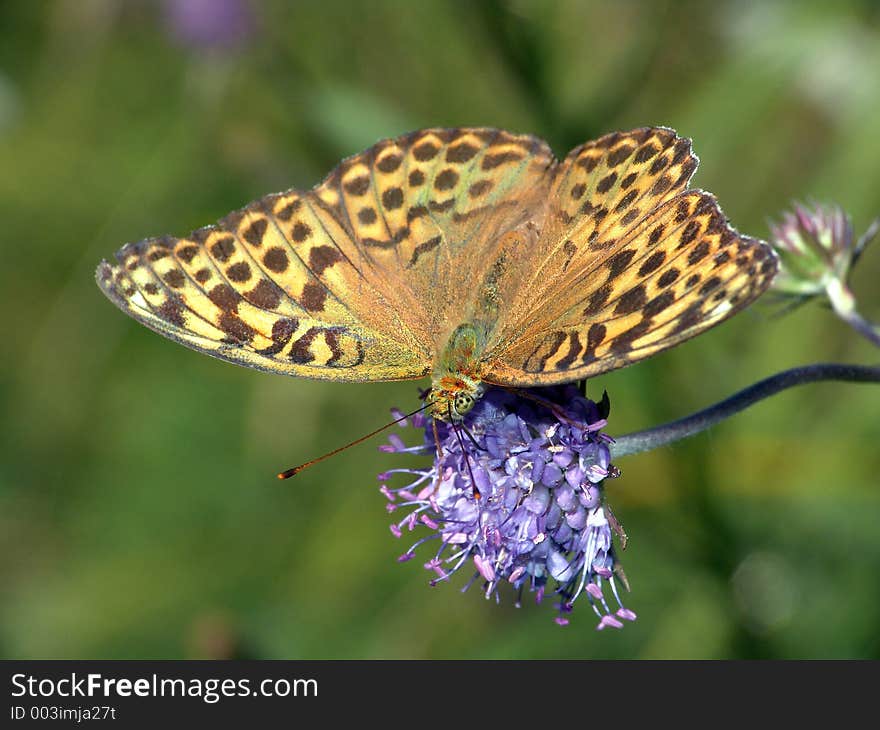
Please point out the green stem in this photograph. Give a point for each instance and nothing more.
(634, 443)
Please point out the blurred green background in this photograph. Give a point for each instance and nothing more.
(139, 513)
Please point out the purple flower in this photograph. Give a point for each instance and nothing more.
(515, 496)
(817, 250)
(210, 24)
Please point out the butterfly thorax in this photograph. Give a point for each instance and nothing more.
(457, 383)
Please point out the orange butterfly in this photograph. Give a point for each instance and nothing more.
(472, 255)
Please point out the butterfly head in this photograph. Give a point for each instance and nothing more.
(453, 396)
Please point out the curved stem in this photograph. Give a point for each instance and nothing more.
(634, 443)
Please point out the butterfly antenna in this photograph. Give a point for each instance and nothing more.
(467, 432)
(287, 473)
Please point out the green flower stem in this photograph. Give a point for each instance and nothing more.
(634, 443)
(844, 304)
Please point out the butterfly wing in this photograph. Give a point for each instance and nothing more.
(355, 280)
(629, 263)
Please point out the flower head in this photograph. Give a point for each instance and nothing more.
(515, 496)
(210, 24)
(817, 250)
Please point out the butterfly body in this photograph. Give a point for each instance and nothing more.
(471, 255)
(457, 381)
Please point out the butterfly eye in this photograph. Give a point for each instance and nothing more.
(463, 403)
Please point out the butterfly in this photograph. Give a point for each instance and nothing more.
(471, 254)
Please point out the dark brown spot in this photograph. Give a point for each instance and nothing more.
(254, 233)
(392, 198)
(313, 297)
(187, 253)
(690, 232)
(174, 278)
(722, 258)
(652, 263)
(301, 231)
(367, 216)
(239, 272)
(480, 188)
(689, 319)
(233, 326)
(276, 259)
(417, 211)
(499, 158)
(768, 266)
(656, 234)
(606, 182)
(687, 169)
(264, 295)
(661, 185)
(658, 165)
(626, 200)
(171, 311)
(595, 337)
(668, 277)
(682, 210)
(425, 151)
(624, 340)
(699, 253)
(588, 162)
(461, 152)
(682, 149)
(202, 234)
(692, 281)
(286, 213)
(628, 180)
(577, 191)
(632, 301)
(619, 262)
(157, 253)
(646, 152)
(574, 349)
(283, 329)
(558, 339)
(223, 248)
(323, 257)
(151, 288)
(331, 337)
(597, 300)
(630, 216)
(619, 155)
(202, 275)
(709, 285)
(441, 207)
(389, 163)
(424, 247)
(416, 178)
(357, 186)
(299, 352)
(446, 180)
(658, 304)
(225, 297)
(133, 264)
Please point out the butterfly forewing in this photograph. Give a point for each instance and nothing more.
(427, 209)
